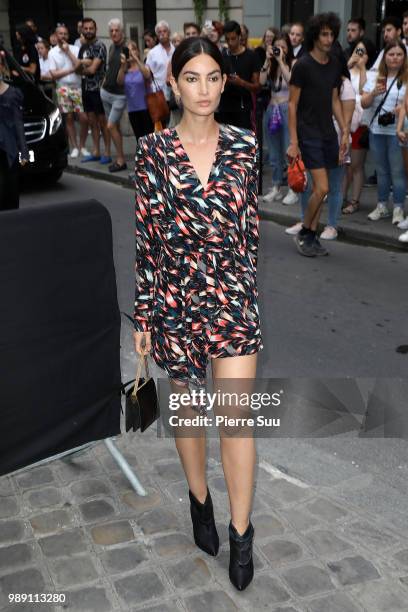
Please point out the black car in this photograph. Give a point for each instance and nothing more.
(43, 126)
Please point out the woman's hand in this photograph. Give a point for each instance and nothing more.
(143, 342)
(123, 59)
(379, 89)
(402, 137)
(344, 146)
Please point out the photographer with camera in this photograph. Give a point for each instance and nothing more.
(276, 72)
(384, 94)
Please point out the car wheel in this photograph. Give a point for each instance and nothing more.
(53, 176)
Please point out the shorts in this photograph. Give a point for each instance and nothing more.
(355, 137)
(319, 153)
(69, 99)
(114, 105)
(92, 102)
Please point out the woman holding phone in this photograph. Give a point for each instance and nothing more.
(135, 77)
(384, 94)
(360, 62)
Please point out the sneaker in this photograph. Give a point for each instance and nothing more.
(397, 215)
(403, 225)
(290, 198)
(329, 233)
(74, 153)
(294, 229)
(319, 249)
(403, 237)
(305, 246)
(274, 194)
(85, 152)
(380, 212)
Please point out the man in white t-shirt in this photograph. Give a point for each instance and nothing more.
(62, 66)
(159, 56)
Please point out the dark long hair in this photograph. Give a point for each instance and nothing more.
(192, 47)
(273, 70)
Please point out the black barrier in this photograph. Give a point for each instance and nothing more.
(59, 331)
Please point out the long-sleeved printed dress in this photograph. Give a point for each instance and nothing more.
(196, 252)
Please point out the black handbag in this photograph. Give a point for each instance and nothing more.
(142, 404)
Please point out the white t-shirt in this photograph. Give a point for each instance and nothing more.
(44, 66)
(346, 93)
(158, 60)
(58, 60)
(396, 96)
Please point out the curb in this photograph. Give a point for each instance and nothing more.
(100, 175)
(346, 234)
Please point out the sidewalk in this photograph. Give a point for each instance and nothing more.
(74, 526)
(355, 228)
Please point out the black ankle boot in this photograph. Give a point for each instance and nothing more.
(205, 531)
(241, 567)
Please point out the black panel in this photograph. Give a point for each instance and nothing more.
(59, 331)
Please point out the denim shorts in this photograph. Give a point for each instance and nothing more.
(319, 153)
(114, 105)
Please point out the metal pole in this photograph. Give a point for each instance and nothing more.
(125, 467)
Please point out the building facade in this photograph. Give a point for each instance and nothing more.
(139, 14)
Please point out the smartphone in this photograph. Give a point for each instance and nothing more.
(125, 52)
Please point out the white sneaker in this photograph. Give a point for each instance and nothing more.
(274, 194)
(294, 229)
(85, 152)
(290, 198)
(403, 225)
(380, 212)
(403, 237)
(329, 233)
(74, 153)
(397, 215)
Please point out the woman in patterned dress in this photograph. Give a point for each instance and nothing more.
(196, 293)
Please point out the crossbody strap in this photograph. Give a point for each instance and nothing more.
(381, 104)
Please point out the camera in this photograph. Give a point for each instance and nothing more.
(386, 119)
(276, 51)
(360, 52)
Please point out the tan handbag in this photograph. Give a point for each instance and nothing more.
(157, 105)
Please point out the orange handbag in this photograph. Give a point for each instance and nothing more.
(157, 105)
(297, 175)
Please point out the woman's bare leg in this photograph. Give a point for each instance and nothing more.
(192, 453)
(238, 455)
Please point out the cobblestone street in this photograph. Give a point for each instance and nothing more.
(75, 526)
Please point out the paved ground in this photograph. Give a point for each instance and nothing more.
(329, 514)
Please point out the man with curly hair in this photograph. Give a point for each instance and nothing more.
(313, 100)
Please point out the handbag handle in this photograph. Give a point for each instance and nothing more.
(142, 360)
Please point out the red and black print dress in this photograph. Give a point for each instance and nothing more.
(196, 252)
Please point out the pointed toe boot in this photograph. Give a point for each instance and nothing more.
(204, 529)
(241, 567)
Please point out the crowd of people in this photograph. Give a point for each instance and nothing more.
(286, 79)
